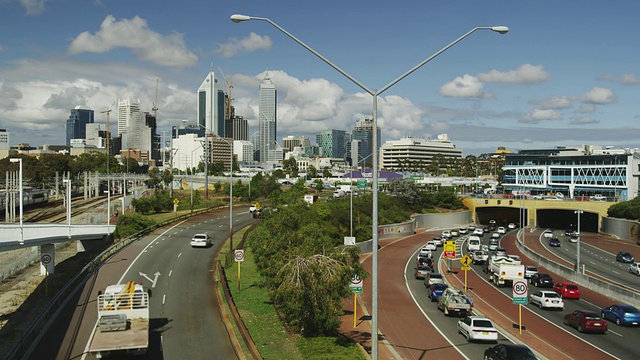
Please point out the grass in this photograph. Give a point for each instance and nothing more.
(267, 331)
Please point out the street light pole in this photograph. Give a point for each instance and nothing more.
(68, 182)
(21, 202)
(206, 162)
(231, 192)
(578, 243)
(374, 93)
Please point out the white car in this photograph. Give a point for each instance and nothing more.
(548, 234)
(437, 240)
(597, 197)
(547, 300)
(478, 232)
(425, 252)
(201, 240)
(635, 268)
(495, 235)
(446, 234)
(574, 237)
(511, 226)
(462, 231)
(431, 245)
(502, 230)
(252, 208)
(476, 328)
(433, 278)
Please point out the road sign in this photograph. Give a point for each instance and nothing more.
(176, 201)
(355, 284)
(238, 255)
(466, 261)
(520, 292)
(362, 184)
(465, 268)
(449, 249)
(45, 258)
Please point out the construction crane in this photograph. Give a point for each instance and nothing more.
(155, 103)
(230, 86)
(108, 111)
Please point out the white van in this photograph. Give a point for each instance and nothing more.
(473, 243)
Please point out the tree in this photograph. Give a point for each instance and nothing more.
(326, 172)
(290, 167)
(312, 172)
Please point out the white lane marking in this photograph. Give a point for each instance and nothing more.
(164, 297)
(179, 254)
(615, 272)
(611, 331)
(170, 272)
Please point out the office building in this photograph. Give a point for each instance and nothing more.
(290, 142)
(5, 144)
(267, 120)
(128, 114)
(363, 131)
(332, 143)
(76, 123)
(415, 154)
(211, 104)
(243, 151)
(237, 128)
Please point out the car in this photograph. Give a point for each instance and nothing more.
(546, 299)
(500, 252)
(622, 314)
(485, 229)
(502, 230)
(478, 232)
(476, 328)
(548, 234)
(438, 240)
(446, 234)
(455, 233)
(425, 252)
(493, 245)
(425, 261)
(597, 197)
(431, 245)
(553, 198)
(473, 243)
(511, 226)
(462, 230)
(586, 321)
(635, 268)
(537, 197)
(514, 257)
(625, 257)
(471, 228)
(529, 271)
(573, 238)
(492, 222)
(437, 290)
(252, 208)
(433, 278)
(509, 352)
(567, 290)
(495, 235)
(541, 280)
(422, 271)
(554, 242)
(201, 240)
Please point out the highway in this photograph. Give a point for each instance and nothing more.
(184, 317)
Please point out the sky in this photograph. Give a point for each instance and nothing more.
(567, 72)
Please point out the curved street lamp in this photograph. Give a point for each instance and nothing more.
(236, 18)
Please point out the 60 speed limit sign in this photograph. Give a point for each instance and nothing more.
(520, 291)
(238, 255)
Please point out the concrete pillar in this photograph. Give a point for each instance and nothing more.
(47, 259)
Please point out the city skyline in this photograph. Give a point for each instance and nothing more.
(563, 75)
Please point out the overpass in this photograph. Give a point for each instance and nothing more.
(539, 213)
(13, 237)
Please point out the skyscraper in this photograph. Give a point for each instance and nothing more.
(332, 142)
(77, 122)
(211, 105)
(267, 119)
(363, 131)
(128, 114)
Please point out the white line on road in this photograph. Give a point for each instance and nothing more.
(170, 272)
(611, 331)
(615, 272)
(163, 298)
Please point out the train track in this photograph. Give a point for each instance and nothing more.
(55, 212)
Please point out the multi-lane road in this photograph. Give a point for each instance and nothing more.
(184, 318)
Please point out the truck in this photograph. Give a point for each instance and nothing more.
(123, 321)
(455, 301)
(503, 270)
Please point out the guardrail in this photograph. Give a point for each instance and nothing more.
(611, 290)
(43, 321)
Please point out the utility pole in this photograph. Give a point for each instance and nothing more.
(108, 111)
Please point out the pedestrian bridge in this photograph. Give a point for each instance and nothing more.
(13, 237)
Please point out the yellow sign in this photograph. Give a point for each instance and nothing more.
(257, 206)
(176, 201)
(465, 268)
(449, 249)
(466, 260)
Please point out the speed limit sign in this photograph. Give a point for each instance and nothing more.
(238, 255)
(45, 258)
(520, 291)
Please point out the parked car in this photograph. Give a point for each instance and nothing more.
(509, 352)
(502, 230)
(541, 280)
(635, 268)
(433, 278)
(422, 271)
(547, 300)
(586, 321)
(511, 226)
(624, 257)
(201, 240)
(436, 290)
(529, 271)
(597, 197)
(567, 290)
(476, 328)
(621, 314)
(554, 242)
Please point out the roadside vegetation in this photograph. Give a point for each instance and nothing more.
(626, 209)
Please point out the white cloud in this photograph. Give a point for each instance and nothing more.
(598, 96)
(33, 7)
(586, 109)
(554, 102)
(585, 120)
(135, 34)
(466, 86)
(536, 115)
(249, 44)
(624, 79)
(525, 74)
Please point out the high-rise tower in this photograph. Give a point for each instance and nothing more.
(128, 114)
(77, 123)
(267, 120)
(211, 105)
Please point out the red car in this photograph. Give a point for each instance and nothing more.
(586, 321)
(567, 290)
